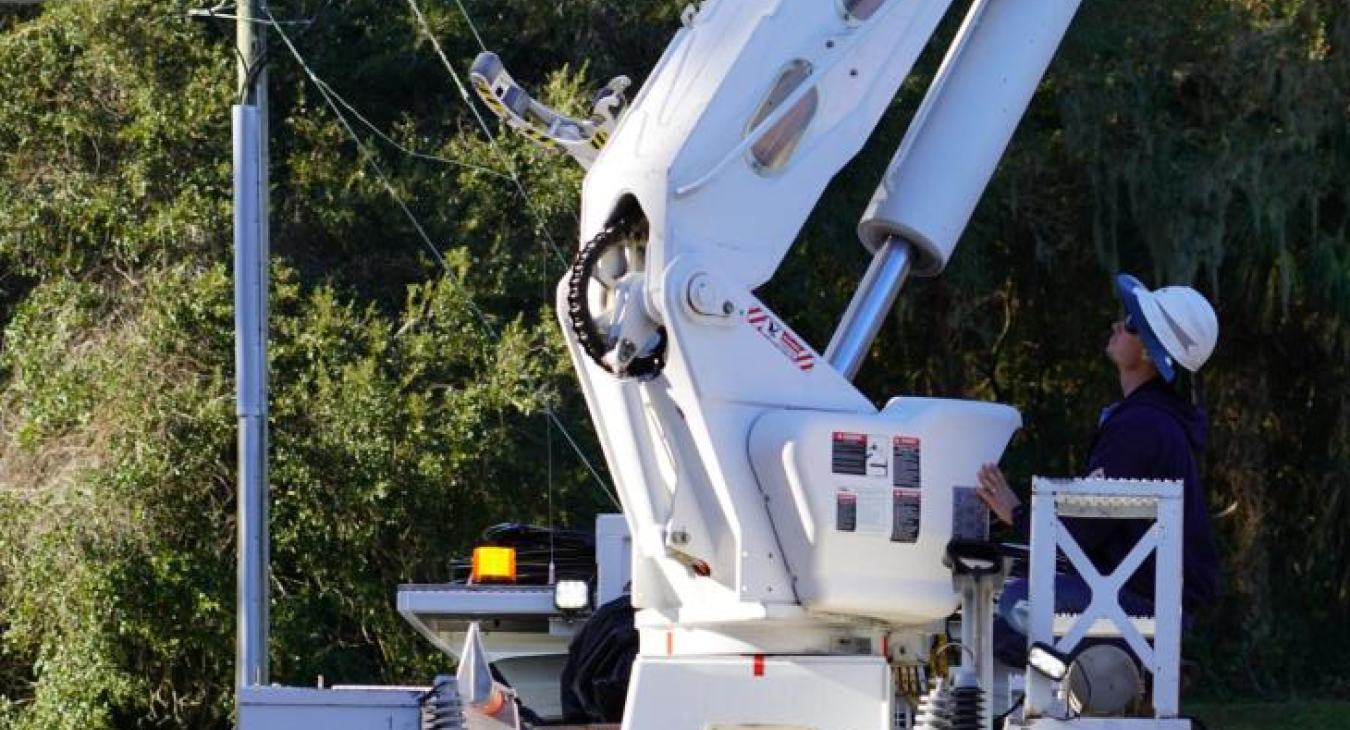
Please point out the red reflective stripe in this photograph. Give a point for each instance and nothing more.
(758, 664)
(494, 703)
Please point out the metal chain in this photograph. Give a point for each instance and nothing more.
(588, 335)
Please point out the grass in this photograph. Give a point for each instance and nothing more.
(1295, 715)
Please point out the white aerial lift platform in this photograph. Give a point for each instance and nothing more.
(796, 551)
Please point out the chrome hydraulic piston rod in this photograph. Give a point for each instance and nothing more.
(871, 303)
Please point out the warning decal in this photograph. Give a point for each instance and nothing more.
(906, 504)
(878, 461)
(848, 454)
(863, 510)
(905, 452)
(846, 511)
(860, 455)
(781, 337)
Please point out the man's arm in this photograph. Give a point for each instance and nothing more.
(1126, 449)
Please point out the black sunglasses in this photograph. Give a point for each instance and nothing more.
(1128, 325)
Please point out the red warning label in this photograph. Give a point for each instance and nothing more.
(846, 511)
(906, 510)
(906, 453)
(849, 455)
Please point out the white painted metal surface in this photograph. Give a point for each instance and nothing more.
(820, 693)
(784, 631)
(613, 558)
(681, 149)
(771, 568)
(295, 708)
(524, 634)
(867, 538)
(1101, 723)
(1066, 622)
(754, 107)
(499, 601)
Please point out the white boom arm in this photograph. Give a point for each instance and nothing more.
(755, 105)
(774, 510)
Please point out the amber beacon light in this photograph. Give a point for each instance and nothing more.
(494, 565)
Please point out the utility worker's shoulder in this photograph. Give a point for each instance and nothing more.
(1130, 443)
(1141, 421)
(1146, 441)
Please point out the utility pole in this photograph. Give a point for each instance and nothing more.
(250, 342)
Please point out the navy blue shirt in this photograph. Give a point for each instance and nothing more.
(1152, 434)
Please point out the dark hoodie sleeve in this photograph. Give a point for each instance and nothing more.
(1022, 522)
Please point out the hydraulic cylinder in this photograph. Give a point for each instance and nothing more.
(963, 126)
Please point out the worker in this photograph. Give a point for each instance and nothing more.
(1151, 433)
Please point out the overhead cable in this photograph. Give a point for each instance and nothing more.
(392, 142)
(326, 92)
(542, 229)
(472, 28)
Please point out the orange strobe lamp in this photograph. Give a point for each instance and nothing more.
(494, 565)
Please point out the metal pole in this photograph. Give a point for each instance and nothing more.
(250, 352)
(870, 305)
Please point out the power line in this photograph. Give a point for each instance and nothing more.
(325, 92)
(541, 228)
(506, 162)
(548, 430)
(390, 141)
(472, 28)
(375, 166)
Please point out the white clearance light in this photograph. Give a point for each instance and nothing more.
(571, 595)
(1048, 661)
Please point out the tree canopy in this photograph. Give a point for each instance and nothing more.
(1202, 142)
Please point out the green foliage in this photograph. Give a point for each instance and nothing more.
(401, 423)
(1294, 715)
(1188, 141)
(394, 442)
(113, 140)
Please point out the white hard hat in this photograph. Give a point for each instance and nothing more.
(1176, 323)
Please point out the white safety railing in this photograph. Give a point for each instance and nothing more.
(1108, 499)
